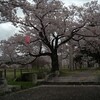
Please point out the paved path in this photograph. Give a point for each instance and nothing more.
(84, 76)
(56, 92)
(61, 92)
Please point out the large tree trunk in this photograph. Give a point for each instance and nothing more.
(54, 62)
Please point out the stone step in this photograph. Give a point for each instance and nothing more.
(70, 83)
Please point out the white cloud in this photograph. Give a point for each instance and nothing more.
(6, 30)
(6, 26)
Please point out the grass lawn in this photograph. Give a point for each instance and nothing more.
(24, 85)
(67, 72)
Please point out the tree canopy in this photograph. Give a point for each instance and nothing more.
(50, 24)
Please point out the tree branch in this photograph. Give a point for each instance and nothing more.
(73, 32)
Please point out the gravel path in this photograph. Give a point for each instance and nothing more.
(56, 92)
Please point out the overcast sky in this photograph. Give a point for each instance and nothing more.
(6, 30)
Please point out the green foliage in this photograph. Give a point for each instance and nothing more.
(10, 74)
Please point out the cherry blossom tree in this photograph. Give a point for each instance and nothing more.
(51, 24)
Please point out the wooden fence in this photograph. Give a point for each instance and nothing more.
(12, 73)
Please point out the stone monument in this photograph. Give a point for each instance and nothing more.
(3, 83)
